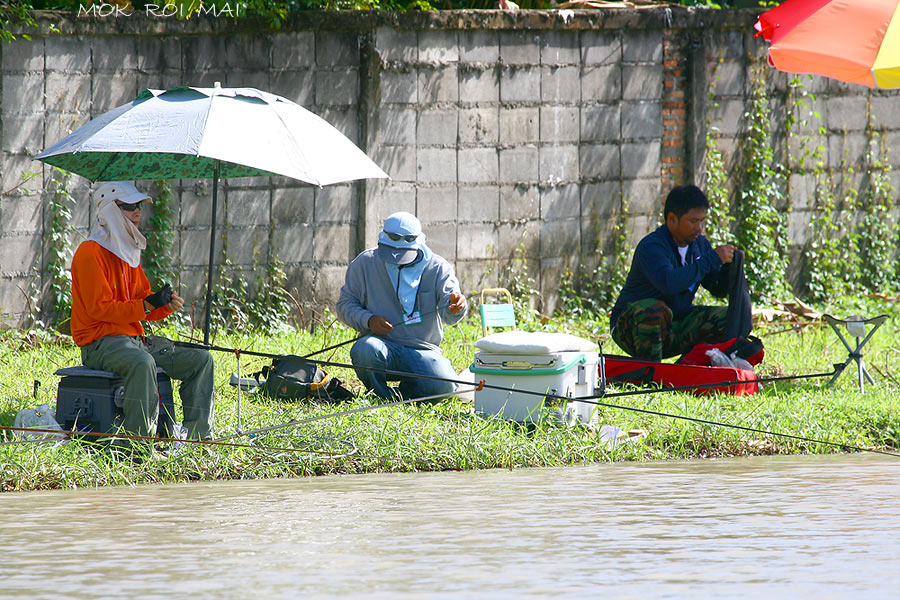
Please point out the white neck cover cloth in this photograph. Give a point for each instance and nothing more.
(115, 232)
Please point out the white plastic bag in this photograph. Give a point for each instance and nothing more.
(717, 358)
(38, 418)
(740, 363)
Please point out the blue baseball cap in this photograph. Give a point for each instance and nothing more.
(400, 239)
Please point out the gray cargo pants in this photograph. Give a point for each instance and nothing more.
(136, 361)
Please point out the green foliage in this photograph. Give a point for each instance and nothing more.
(58, 247)
(841, 255)
(449, 435)
(271, 307)
(799, 115)
(762, 207)
(516, 278)
(823, 250)
(33, 294)
(877, 228)
(589, 294)
(719, 219)
(235, 307)
(156, 259)
(825, 255)
(229, 293)
(14, 14)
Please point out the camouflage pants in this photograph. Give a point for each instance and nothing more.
(647, 329)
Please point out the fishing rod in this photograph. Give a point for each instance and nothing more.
(338, 345)
(326, 349)
(718, 384)
(407, 374)
(593, 399)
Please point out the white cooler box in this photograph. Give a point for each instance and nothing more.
(555, 364)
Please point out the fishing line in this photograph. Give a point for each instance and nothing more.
(21, 442)
(593, 399)
(589, 400)
(125, 436)
(324, 454)
(347, 412)
(323, 350)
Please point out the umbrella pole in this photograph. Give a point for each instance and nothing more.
(212, 249)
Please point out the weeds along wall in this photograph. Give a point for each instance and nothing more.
(535, 146)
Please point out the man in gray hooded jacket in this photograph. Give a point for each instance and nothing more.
(400, 293)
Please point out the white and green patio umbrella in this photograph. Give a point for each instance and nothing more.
(197, 133)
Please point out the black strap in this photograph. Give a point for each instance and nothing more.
(641, 376)
(739, 320)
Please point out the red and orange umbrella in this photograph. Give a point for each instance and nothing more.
(857, 41)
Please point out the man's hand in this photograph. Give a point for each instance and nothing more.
(726, 253)
(379, 325)
(176, 302)
(457, 303)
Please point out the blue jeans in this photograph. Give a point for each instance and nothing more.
(379, 353)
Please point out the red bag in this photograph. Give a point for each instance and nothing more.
(639, 371)
(749, 348)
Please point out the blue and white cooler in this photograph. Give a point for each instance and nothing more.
(556, 364)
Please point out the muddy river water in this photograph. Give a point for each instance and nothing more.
(782, 527)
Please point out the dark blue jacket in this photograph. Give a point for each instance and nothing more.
(657, 272)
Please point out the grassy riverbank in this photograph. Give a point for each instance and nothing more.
(449, 435)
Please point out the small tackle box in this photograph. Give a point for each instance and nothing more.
(566, 374)
(91, 401)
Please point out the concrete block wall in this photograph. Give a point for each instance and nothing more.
(517, 138)
(517, 145)
(54, 84)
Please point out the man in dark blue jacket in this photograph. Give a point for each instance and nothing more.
(654, 316)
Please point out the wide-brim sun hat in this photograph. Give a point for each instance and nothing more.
(403, 250)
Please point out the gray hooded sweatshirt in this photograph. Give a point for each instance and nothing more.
(368, 291)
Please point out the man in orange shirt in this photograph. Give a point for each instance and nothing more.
(111, 296)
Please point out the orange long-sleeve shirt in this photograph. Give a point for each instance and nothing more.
(108, 295)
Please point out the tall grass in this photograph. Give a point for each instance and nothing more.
(450, 435)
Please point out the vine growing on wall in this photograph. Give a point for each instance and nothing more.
(58, 301)
(719, 219)
(821, 250)
(877, 228)
(761, 209)
(617, 264)
(596, 291)
(235, 306)
(271, 307)
(157, 258)
(832, 256)
(515, 277)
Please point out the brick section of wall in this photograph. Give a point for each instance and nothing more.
(674, 112)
